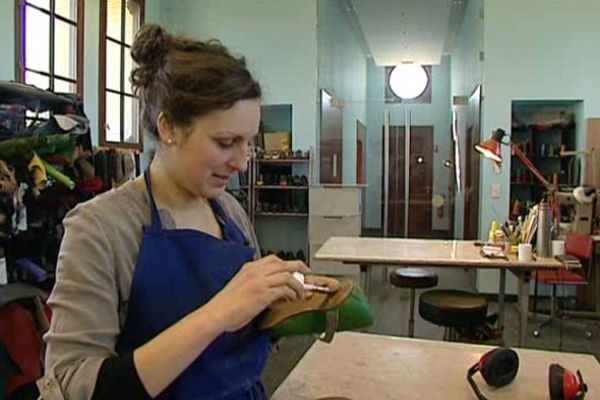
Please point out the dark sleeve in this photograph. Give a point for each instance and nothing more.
(118, 379)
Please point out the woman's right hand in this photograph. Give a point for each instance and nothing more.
(255, 287)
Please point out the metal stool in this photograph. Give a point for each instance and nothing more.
(413, 278)
(453, 309)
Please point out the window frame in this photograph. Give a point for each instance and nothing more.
(102, 79)
(424, 98)
(20, 27)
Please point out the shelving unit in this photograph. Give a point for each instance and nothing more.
(281, 185)
(279, 192)
(542, 130)
(240, 188)
(275, 188)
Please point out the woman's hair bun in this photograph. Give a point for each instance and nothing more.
(150, 46)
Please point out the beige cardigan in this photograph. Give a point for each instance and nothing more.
(95, 268)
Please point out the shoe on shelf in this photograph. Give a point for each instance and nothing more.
(268, 179)
(283, 180)
(303, 180)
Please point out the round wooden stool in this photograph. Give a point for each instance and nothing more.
(413, 278)
(453, 309)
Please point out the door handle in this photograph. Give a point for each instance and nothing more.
(334, 162)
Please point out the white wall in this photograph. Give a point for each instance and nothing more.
(278, 39)
(91, 72)
(7, 40)
(375, 107)
(534, 50)
(466, 75)
(343, 73)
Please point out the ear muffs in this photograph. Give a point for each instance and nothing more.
(498, 368)
(565, 385)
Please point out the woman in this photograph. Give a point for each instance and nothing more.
(159, 282)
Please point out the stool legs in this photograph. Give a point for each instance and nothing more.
(411, 318)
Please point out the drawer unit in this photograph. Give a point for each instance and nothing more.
(322, 227)
(334, 201)
(334, 211)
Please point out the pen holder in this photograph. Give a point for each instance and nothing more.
(525, 252)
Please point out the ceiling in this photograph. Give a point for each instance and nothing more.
(401, 31)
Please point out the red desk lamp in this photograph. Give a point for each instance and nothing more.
(491, 149)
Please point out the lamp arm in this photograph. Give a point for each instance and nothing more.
(530, 166)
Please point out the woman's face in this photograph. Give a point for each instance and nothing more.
(213, 148)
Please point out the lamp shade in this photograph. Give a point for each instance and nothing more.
(490, 148)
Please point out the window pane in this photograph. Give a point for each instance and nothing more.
(62, 86)
(66, 8)
(113, 19)
(128, 63)
(65, 49)
(132, 20)
(113, 65)
(30, 116)
(37, 40)
(113, 117)
(130, 120)
(41, 81)
(45, 4)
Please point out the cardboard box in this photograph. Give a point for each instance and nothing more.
(277, 141)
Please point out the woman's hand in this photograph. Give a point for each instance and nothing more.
(331, 283)
(255, 287)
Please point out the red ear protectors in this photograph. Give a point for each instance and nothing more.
(565, 385)
(498, 368)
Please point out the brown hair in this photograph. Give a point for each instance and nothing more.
(185, 78)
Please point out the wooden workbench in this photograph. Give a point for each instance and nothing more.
(372, 367)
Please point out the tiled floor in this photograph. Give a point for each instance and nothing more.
(390, 306)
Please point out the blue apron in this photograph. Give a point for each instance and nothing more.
(179, 270)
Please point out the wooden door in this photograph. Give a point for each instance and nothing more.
(330, 140)
(361, 131)
(473, 160)
(420, 181)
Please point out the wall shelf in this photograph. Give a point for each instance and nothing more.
(280, 187)
(269, 214)
(282, 160)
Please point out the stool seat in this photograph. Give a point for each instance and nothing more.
(453, 308)
(414, 278)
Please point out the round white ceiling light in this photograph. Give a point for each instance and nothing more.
(408, 81)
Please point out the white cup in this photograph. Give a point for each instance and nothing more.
(558, 248)
(524, 253)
